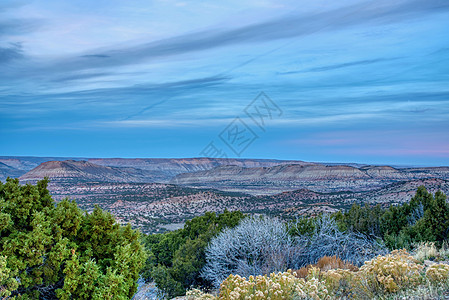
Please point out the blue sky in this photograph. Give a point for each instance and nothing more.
(357, 81)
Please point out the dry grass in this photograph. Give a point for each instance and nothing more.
(429, 251)
(326, 263)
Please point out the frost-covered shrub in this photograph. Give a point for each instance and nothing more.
(328, 240)
(256, 246)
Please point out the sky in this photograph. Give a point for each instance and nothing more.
(324, 81)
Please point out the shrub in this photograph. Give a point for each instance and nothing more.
(326, 263)
(276, 286)
(389, 273)
(426, 251)
(196, 294)
(177, 257)
(438, 274)
(393, 276)
(328, 240)
(51, 251)
(7, 284)
(425, 218)
(256, 246)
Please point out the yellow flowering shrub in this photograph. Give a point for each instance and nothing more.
(276, 286)
(390, 273)
(397, 272)
(313, 287)
(438, 274)
(338, 281)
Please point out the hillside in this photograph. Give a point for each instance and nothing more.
(80, 171)
(320, 178)
(8, 171)
(149, 193)
(151, 205)
(157, 169)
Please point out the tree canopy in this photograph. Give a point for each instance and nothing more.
(51, 251)
(177, 257)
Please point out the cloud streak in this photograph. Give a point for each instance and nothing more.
(379, 12)
(341, 66)
(13, 52)
(13, 27)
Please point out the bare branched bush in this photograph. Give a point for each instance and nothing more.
(256, 246)
(328, 240)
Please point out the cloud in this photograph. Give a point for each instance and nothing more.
(18, 26)
(372, 12)
(5, 4)
(286, 27)
(95, 56)
(341, 66)
(13, 52)
(81, 76)
(141, 93)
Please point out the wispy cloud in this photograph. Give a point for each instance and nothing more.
(353, 64)
(379, 12)
(342, 65)
(13, 27)
(13, 52)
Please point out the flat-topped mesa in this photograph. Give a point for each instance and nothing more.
(281, 172)
(174, 166)
(384, 172)
(71, 170)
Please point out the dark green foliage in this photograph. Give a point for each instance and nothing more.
(177, 257)
(303, 226)
(60, 251)
(365, 219)
(424, 218)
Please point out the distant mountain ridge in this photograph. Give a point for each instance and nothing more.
(319, 178)
(151, 192)
(147, 169)
(253, 176)
(79, 171)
